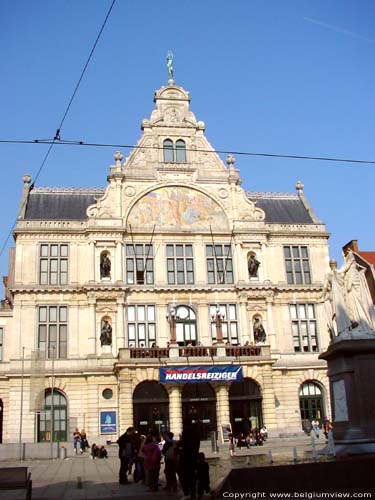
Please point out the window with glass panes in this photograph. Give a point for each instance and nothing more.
(304, 327)
(229, 322)
(53, 264)
(219, 264)
(1, 342)
(60, 418)
(139, 264)
(180, 264)
(141, 323)
(52, 330)
(297, 265)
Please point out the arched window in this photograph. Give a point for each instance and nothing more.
(186, 326)
(60, 418)
(168, 151)
(311, 402)
(180, 151)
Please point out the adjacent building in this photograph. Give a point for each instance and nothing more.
(171, 293)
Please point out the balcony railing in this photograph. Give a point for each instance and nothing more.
(237, 351)
(195, 351)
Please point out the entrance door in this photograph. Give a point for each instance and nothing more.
(199, 405)
(245, 403)
(311, 402)
(151, 408)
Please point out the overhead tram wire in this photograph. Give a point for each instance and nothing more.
(217, 151)
(57, 137)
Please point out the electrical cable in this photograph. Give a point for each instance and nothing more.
(57, 137)
(217, 151)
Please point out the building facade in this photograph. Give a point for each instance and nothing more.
(171, 293)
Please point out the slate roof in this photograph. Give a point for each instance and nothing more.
(55, 204)
(282, 208)
(71, 204)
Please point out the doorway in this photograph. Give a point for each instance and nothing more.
(245, 403)
(151, 408)
(199, 406)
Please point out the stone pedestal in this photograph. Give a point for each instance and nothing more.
(106, 351)
(351, 372)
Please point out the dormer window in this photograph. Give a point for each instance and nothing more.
(174, 153)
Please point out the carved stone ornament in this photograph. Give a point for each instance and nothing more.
(223, 193)
(130, 191)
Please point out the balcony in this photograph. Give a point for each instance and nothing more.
(176, 353)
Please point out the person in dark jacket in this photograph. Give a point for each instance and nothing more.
(125, 453)
(203, 475)
(187, 465)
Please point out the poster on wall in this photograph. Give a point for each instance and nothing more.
(226, 429)
(108, 422)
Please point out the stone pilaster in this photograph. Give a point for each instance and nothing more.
(119, 261)
(92, 326)
(270, 332)
(126, 417)
(120, 338)
(269, 411)
(91, 270)
(175, 411)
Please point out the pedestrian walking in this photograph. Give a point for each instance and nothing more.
(125, 454)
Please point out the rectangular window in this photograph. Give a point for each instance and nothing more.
(53, 264)
(139, 264)
(297, 265)
(180, 267)
(1, 342)
(304, 327)
(141, 326)
(52, 331)
(229, 323)
(219, 264)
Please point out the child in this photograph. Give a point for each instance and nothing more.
(203, 475)
(94, 451)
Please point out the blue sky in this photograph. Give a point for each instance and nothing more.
(288, 77)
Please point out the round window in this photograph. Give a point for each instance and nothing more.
(107, 394)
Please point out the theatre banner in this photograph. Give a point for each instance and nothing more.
(173, 374)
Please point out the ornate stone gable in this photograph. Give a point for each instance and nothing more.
(198, 188)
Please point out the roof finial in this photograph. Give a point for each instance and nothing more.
(299, 187)
(170, 67)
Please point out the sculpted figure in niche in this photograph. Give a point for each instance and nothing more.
(106, 333)
(259, 332)
(253, 265)
(105, 265)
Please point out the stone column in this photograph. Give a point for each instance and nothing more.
(92, 326)
(222, 406)
(126, 415)
(175, 411)
(120, 337)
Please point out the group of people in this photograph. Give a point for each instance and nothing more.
(141, 457)
(255, 437)
(80, 445)
(314, 426)
(80, 442)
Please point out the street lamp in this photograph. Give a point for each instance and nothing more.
(218, 319)
(172, 318)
